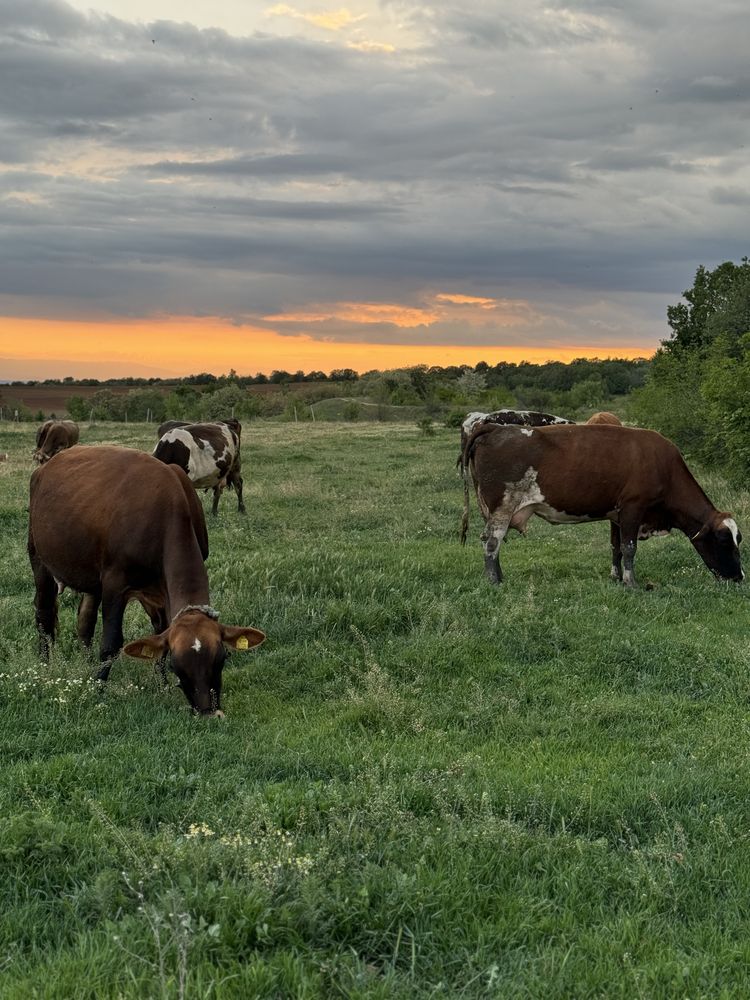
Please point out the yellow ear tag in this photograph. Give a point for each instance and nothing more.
(148, 652)
(242, 643)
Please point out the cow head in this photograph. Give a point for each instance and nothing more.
(41, 456)
(197, 645)
(717, 543)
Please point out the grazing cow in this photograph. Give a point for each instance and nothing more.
(646, 530)
(169, 425)
(605, 417)
(627, 476)
(208, 453)
(117, 525)
(503, 418)
(54, 436)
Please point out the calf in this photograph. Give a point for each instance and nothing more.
(209, 454)
(54, 436)
(630, 477)
(117, 525)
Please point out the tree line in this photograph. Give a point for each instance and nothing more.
(438, 392)
(698, 387)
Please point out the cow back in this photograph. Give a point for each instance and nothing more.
(605, 417)
(98, 510)
(581, 469)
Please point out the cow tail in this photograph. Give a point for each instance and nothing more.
(466, 456)
(465, 515)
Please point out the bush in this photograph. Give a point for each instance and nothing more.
(455, 418)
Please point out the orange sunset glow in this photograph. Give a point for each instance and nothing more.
(178, 346)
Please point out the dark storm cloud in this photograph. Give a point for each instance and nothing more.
(590, 150)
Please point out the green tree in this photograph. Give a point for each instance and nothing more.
(77, 407)
(106, 405)
(225, 402)
(144, 404)
(471, 385)
(692, 321)
(671, 400)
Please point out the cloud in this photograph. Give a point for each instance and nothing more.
(362, 313)
(331, 20)
(472, 300)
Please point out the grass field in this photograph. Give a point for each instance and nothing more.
(424, 787)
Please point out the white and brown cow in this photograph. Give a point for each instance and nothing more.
(54, 436)
(208, 453)
(625, 475)
(506, 418)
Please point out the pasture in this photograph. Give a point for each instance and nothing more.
(424, 786)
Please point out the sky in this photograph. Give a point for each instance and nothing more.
(258, 186)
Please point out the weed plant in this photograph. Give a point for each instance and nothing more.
(424, 786)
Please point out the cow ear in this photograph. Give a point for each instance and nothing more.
(702, 533)
(241, 638)
(151, 647)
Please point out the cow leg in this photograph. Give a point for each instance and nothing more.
(493, 534)
(629, 527)
(45, 604)
(615, 542)
(237, 480)
(113, 609)
(159, 623)
(217, 493)
(88, 608)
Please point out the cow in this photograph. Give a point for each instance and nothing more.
(646, 530)
(502, 418)
(208, 453)
(605, 417)
(54, 436)
(628, 476)
(169, 425)
(117, 525)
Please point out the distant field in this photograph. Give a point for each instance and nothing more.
(424, 787)
(54, 398)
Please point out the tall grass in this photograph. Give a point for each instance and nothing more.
(424, 786)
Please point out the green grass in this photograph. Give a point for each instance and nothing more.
(424, 786)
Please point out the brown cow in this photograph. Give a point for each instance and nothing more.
(117, 525)
(627, 476)
(645, 531)
(208, 453)
(605, 417)
(54, 436)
